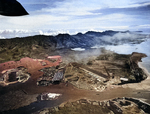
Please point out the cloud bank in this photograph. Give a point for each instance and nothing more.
(78, 16)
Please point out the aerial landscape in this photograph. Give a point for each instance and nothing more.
(74, 57)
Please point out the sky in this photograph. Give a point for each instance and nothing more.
(50, 17)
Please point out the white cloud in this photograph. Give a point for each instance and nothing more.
(145, 26)
(143, 47)
(2, 37)
(72, 15)
(30, 22)
(135, 5)
(8, 33)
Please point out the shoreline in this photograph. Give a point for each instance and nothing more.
(131, 87)
(69, 94)
(144, 70)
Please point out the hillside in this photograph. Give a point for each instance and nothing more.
(33, 46)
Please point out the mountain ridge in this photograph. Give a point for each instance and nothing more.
(85, 40)
(35, 46)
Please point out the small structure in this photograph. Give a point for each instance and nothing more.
(55, 78)
(32, 65)
(48, 96)
(13, 76)
(124, 80)
(58, 76)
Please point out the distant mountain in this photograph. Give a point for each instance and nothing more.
(39, 45)
(11, 8)
(108, 32)
(86, 40)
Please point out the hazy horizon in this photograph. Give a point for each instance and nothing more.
(68, 16)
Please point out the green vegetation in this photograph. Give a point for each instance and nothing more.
(17, 48)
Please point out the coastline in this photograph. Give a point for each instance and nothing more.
(70, 94)
(144, 84)
(134, 89)
(144, 70)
